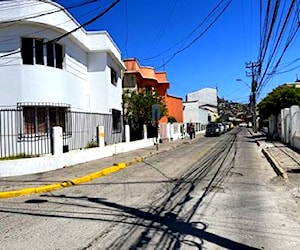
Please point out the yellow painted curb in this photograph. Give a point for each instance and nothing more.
(69, 183)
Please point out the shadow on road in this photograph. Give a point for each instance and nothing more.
(166, 222)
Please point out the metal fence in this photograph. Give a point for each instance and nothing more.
(13, 143)
(83, 130)
(80, 132)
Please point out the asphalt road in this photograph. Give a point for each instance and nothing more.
(218, 193)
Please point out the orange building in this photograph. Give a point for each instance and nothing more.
(175, 108)
(138, 77)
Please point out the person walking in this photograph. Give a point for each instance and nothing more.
(192, 131)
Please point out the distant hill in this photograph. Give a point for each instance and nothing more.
(231, 109)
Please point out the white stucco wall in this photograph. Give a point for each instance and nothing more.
(52, 162)
(192, 113)
(84, 82)
(204, 96)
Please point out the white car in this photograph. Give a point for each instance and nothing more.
(222, 128)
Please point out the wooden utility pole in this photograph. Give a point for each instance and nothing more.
(253, 73)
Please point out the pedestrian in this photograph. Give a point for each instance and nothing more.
(182, 131)
(194, 131)
(191, 131)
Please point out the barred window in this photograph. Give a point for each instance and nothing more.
(41, 119)
(116, 115)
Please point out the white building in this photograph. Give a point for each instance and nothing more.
(201, 106)
(50, 65)
(193, 113)
(206, 96)
(81, 71)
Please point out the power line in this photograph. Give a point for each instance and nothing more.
(198, 37)
(40, 14)
(212, 12)
(87, 22)
(126, 27)
(164, 26)
(19, 4)
(75, 29)
(57, 25)
(277, 35)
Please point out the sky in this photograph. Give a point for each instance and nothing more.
(195, 51)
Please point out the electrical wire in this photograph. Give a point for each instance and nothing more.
(164, 26)
(20, 4)
(40, 14)
(185, 39)
(87, 22)
(57, 25)
(75, 29)
(279, 24)
(266, 77)
(126, 27)
(197, 38)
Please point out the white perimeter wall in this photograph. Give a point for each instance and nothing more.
(47, 163)
(288, 126)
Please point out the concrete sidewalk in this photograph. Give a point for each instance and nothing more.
(81, 173)
(284, 160)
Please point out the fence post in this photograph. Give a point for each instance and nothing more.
(127, 133)
(283, 116)
(100, 136)
(171, 131)
(294, 116)
(286, 129)
(145, 131)
(57, 140)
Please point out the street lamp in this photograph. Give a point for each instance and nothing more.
(240, 80)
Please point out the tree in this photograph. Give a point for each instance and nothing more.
(138, 106)
(281, 97)
(172, 119)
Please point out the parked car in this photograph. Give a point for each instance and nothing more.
(243, 124)
(212, 129)
(222, 128)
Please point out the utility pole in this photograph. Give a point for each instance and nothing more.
(253, 73)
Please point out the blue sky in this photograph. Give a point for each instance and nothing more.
(147, 28)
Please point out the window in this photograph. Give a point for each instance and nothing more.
(59, 56)
(32, 51)
(113, 76)
(41, 119)
(39, 52)
(50, 54)
(116, 115)
(27, 50)
(36, 51)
